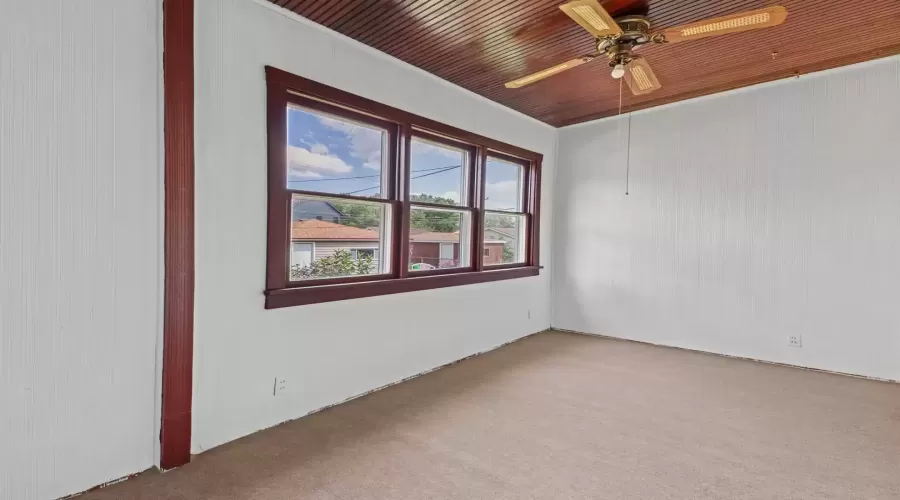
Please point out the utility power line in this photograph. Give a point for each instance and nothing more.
(445, 169)
(362, 176)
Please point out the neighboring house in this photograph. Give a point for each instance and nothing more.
(505, 234)
(314, 239)
(493, 251)
(315, 210)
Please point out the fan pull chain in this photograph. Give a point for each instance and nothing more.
(620, 96)
(628, 154)
(628, 158)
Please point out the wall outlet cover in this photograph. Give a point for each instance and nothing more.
(795, 340)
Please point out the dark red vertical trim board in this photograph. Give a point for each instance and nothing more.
(178, 303)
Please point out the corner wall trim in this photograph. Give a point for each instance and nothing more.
(178, 302)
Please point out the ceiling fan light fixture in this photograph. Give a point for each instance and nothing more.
(618, 71)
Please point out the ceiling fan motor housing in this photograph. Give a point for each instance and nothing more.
(635, 32)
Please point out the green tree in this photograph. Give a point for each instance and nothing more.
(508, 254)
(358, 214)
(340, 263)
(364, 216)
(499, 221)
(439, 222)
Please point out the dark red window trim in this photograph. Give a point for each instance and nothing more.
(285, 89)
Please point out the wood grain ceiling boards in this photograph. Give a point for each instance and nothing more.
(481, 44)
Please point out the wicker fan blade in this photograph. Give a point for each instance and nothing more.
(742, 21)
(592, 17)
(540, 75)
(640, 77)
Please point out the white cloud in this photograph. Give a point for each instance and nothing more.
(331, 123)
(453, 195)
(306, 174)
(319, 149)
(374, 160)
(305, 163)
(502, 195)
(365, 142)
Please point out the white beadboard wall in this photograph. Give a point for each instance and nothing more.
(79, 243)
(325, 352)
(752, 215)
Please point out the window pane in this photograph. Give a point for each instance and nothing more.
(438, 239)
(504, 187)
(334, 155)
(333, 237)
(504, 239)
(438, 173)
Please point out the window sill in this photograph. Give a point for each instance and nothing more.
(288, 297)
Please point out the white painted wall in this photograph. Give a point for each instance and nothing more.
(79, 243)
(326, 352)
(753, 215)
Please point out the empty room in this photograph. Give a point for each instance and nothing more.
(449, 249)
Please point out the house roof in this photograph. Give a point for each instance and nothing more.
(432, 237)
(323, 230)
(505, 231)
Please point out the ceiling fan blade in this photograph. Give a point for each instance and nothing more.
(640, 77)
(592, 17)
(742, 21)
(540, 75)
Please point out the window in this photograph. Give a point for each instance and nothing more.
(365, 199)
(364, 253)
(301, 254)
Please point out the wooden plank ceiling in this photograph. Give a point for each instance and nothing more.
(481, 44)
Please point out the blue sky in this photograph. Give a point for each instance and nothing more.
(332, 155)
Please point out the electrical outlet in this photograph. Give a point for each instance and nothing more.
(795, 340)
(279, 386)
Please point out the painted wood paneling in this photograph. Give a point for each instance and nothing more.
(752, 215)
(80, 243)
(330, 351)
(481, 44)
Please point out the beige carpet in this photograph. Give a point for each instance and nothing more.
(566, 416)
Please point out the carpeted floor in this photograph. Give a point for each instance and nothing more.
(566, 416)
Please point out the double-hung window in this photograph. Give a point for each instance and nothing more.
(366, 199)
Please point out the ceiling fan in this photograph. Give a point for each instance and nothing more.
(618, 38)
